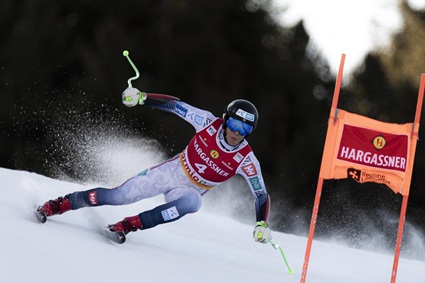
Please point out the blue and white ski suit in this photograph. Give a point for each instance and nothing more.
(180, 179)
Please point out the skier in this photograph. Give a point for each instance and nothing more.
(217, 152)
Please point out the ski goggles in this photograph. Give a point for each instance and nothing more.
(243, 128)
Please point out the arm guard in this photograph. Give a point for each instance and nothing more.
(161, 101)
(263, 210)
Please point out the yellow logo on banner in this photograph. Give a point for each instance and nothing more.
(379, 142)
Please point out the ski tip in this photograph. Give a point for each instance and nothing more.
(121, 238)
(117, 237)
(42, 217)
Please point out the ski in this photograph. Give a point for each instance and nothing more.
(117, 237)
(41, 216)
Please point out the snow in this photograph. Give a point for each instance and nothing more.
(202, 247)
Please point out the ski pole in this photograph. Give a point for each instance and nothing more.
(277, 247)
(126, 54)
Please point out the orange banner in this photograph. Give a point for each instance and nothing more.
(368, 150)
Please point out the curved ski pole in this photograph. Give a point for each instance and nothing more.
(126, 54)
(277, 247)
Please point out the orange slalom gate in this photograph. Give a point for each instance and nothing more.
(367, 150)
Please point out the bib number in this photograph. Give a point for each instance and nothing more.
(201, 168)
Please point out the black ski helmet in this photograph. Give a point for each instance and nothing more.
(242, 110)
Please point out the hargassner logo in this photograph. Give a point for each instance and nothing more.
(371, 148)
(379, 142)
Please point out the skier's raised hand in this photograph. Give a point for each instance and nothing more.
(132, 96)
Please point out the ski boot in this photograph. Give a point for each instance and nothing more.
(53, 207)
(122, 228)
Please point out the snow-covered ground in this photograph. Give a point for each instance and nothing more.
(203, 247)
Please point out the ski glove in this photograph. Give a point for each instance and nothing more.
(132, 96)
(262, 232)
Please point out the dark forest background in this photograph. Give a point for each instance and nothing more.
(61, 63)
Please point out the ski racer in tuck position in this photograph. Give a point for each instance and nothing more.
(217, 152)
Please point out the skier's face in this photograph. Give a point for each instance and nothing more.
(233, 138)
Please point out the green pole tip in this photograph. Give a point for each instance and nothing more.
(125, 53)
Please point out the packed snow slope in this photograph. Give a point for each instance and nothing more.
(203, 247)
